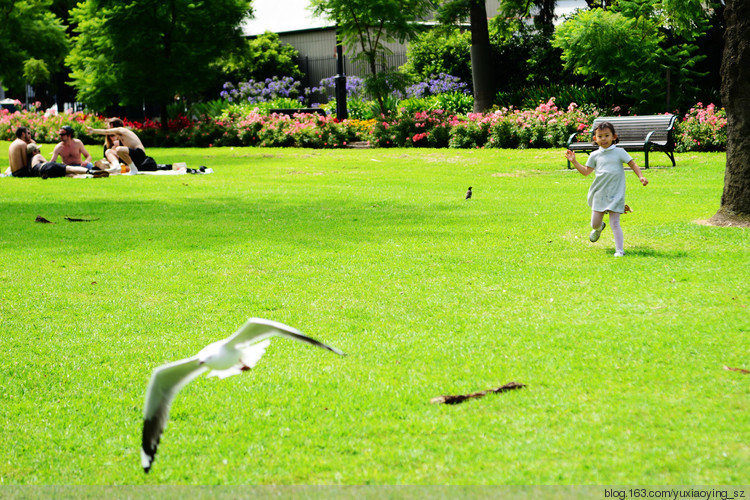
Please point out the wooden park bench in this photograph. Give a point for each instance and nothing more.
(635, 133)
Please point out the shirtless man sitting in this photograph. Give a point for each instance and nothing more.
(130, 151)
(72, 150)
(17, 155)
(40, 167)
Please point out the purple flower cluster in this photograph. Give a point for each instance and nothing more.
(355, 87)
(255, 92)
(440, 84)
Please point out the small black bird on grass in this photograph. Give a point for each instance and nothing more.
(468, 193)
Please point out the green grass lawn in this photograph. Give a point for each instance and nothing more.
(376, 252)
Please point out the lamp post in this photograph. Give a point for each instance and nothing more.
(341, 112)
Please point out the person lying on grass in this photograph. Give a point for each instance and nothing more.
(607, 192)
(40, 167)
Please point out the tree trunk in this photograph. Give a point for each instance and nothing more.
(481, 59)
(735, 93)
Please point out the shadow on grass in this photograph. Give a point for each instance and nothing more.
(183, 223)
(651, 252)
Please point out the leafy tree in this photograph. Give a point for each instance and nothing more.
(543, 60)
(647, 38)
(365, 26)
(259, 58)
(32, 40)
(683, 24)
(735, 89)
(620, 51)
(35, 71)
(135, 51)
(91, 59)
(444, 49)
(526, 55)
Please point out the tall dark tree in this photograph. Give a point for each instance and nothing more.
(481, 49)
(735, 93)
(136, 51)
(481, 57)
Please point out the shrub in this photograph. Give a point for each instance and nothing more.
(530, 97)
(453, 102)
(428, 128)
(469, 134)
(544, 126)
(702, 129)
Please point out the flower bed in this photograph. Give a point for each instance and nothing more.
(703, 128)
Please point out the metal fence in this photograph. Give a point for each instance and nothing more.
(316, 69)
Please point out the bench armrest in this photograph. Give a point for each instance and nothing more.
(648, 137)
(571, 138)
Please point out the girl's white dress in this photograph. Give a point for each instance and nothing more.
(607, 192)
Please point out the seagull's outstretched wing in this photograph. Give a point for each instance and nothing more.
(166, 382)
(257, 329)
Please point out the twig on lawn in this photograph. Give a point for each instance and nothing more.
(741, 370)
(460, 398)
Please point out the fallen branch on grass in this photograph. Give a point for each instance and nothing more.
(460, 398)
(741, 370)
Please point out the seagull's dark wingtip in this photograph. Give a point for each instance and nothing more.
(147, 460)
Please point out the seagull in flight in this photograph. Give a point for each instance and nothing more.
(231, 356)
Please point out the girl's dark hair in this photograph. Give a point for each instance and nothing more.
(605, 126)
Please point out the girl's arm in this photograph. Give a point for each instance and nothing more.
(637, 171)
(571, 156)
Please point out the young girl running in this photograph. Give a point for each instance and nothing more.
(607, 192)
